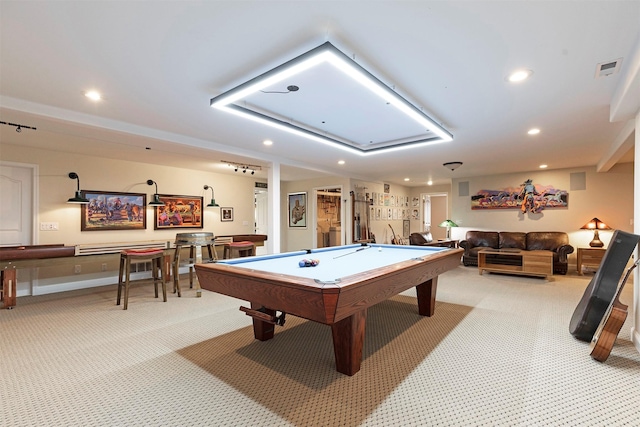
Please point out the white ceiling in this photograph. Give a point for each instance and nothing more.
(158, 64)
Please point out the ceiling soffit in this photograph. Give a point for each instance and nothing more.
(325, 96)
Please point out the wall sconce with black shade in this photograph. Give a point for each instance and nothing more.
(595, 224)
(156, 197)
(448, 223)
(78, 197)
(213, 203)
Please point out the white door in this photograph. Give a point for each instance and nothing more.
(261, 214)
(17, 206)
(17, 219)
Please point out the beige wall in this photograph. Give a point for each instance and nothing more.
(95, 173)
(293, 239)
(55, 187)
(608, 196)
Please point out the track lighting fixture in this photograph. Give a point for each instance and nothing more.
(19, 127)
(244, 166)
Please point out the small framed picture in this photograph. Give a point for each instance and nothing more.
(226, 214)
(297, 210)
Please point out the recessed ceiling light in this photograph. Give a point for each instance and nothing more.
(93, 95)
(341, 162)
(406, 179)
(267, 142)
(543, 166)
(519, 75)
(429, 182)
(533, 131)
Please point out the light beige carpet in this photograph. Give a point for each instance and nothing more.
(497, 352)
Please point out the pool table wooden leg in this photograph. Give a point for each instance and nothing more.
(427, 297)
(348, 341)
(263, 331)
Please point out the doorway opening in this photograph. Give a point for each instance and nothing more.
(435, 209)
(329, 217)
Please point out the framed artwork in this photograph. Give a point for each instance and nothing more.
(226, 214)
(108, 210)
(178, 212)
(297, 210)
(406, 228)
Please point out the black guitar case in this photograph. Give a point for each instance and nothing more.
(603, 286)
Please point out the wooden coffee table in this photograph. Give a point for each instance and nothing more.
(516, 261)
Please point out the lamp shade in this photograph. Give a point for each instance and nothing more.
(595, 224)
(156, 197)
(448, 224)
(213, 203)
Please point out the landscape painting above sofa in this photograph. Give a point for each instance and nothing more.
(529, 197)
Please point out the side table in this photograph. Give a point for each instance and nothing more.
(589, 256)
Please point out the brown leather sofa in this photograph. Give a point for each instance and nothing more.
(555, 241)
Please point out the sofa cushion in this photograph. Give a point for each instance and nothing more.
(487, 239)
(510, 239)
(546, 240)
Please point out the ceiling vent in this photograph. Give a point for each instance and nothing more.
(605, 69)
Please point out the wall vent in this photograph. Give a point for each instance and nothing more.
(605, 69)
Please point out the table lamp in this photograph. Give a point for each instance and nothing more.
(595, 224)
(448, 223)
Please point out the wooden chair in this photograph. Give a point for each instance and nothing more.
(128, 256)
(239, 249)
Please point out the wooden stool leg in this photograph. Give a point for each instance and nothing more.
(164, 282)
(192, 259)
(175, 269)
(120, 282)
(126, 283)
(155, 266)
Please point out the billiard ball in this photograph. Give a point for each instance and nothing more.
(302, 263)
(379, 248)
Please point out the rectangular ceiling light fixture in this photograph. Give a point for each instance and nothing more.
(314, 96)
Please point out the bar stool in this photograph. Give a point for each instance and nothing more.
(127, 256)
(195, 241)
(239, 249)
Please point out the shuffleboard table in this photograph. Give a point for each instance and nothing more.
(337, 292)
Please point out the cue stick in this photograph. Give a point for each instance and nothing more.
(349, 253)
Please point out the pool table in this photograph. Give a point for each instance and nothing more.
(336, 292)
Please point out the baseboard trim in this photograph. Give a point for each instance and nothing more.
(62, 284)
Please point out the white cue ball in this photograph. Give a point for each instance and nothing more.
(379, 249)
